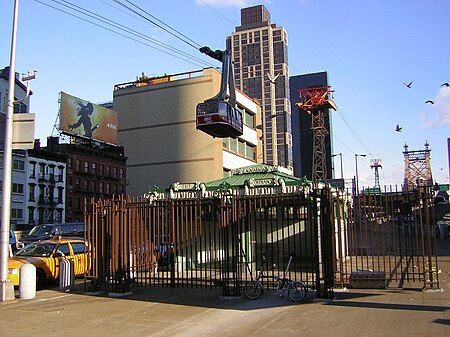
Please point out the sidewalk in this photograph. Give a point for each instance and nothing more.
(186, 312)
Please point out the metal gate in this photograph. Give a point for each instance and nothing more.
(219, 242)
(389, 240)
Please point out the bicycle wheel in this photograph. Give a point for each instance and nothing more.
(280, 287)
(297, 291)
(253, 290)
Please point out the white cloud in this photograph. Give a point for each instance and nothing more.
(441, 111)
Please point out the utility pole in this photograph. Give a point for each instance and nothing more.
(6, 286)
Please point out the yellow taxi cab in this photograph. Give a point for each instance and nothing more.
(46, 256)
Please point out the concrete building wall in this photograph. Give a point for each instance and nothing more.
(157, 127)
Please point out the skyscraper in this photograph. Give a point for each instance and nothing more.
(259, 51)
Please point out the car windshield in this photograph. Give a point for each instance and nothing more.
(41, 230)
(37, 249)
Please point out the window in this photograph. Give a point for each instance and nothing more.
(17, 188)
(233, 144)
(77, 183)
(64, 249)
(41, 171)
(249, 119)
(250, 152)
(121, 173)
(31, 215)
(69, 163)
(61, 173)
(79, 248)
(18, 165)
(78, 167)
(60, 195)
(16, 213)
(225, 143)
(52, 172)
(108, 171)
(94, 168)
(108, 188)
(31, 195)
(115, 172)
(100, 187)
(86, 185)
(86, 167)
(102, 169)
(32, 170)
(241, 148)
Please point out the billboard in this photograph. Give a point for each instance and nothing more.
(83, 118)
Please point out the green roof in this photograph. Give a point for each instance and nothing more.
(259, 172)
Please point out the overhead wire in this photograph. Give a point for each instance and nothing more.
(354, 133)
(83, 11)
(169, 29)
(217, 12)
(340, 113)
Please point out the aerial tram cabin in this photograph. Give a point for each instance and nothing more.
(218, 116)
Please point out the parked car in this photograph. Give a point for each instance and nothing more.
(13, 244)
(46, 231)
(46, 256)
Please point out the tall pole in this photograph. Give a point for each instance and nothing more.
(356, 172)
(342, 169)
(5, 284)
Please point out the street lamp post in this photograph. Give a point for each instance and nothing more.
(6, 287)
(340, 157)
(356, 172)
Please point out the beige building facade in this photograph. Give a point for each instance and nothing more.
(157, 127)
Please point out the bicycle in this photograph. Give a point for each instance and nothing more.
(296, 290)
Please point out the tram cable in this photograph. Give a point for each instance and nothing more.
(186, 39)
(122, 30)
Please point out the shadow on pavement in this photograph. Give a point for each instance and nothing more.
(391, 306)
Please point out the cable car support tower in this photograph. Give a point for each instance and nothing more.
(375, 164)
(314, 101)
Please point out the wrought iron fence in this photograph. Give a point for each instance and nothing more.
(200, 242)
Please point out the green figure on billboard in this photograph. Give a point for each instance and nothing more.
(85, 112)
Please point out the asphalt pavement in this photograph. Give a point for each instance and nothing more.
(199, 312)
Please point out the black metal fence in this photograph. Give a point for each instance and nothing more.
(200, 242)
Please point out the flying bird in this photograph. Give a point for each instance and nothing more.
(272, 79)
(408, 85)
(398, 128)
(429, 101)
(445, 84)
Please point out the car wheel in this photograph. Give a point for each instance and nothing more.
(41, 279)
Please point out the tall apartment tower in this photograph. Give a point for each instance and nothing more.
(259, 51)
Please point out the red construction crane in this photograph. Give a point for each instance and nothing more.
(314, 101)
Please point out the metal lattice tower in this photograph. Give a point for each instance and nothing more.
(314, 101)
(375, 164)
(417, 168)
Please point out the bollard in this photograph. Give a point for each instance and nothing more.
(27, 281)
(66, 275)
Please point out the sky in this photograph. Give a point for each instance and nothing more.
(370, 50)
